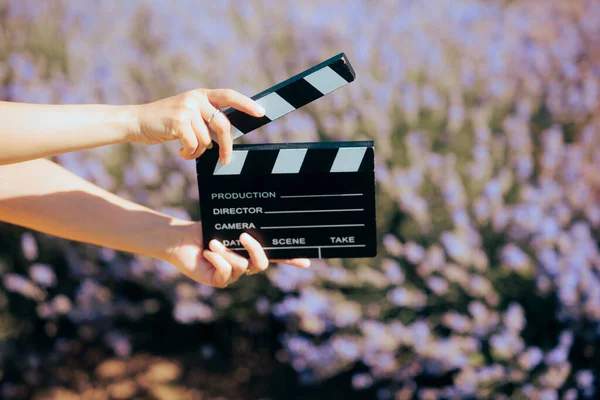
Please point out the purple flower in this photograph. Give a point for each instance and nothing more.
(456, 247)
(187, 312)
(29, 246)
(18, 284)
(515, 258)
(437, 285)
(43, 274)
(262, 305)
(393, 271)
(530, 358)
(361, 381)
(457, 322)
(346, 314)
(61, 304)
(514, 318)
(346, 348)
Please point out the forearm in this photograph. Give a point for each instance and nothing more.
(30, 131)
(45, 197)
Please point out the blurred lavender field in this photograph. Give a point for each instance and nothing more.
(486, 121)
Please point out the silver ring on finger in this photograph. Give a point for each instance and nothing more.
(217, 111)
(248, 272)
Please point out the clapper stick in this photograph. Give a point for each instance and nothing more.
(293, 93)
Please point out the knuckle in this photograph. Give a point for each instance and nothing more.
(189, 99)
(224, 124)
(263, 264)
(181, 114)
(198, 93)
(220, 93)
(219, 285)
(229, 94)
(175, 129)
(204, 140)
(179, 123)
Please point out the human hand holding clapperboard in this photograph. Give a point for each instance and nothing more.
(312, 200)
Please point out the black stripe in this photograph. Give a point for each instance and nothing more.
(299, 93)
(343, 69)
(318, 161)
(246, 123)
(368, 162)
(296, 97)
(338, 58)
(205, 164)
(259, 162)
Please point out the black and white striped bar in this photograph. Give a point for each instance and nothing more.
(293, 93)
(313, 200)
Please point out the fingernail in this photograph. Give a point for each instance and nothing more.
(260, 109)
(210, 145)
(224, 160)
(215, 245)
(245, 236)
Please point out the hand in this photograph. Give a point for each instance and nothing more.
(185, 117)
(219, 266)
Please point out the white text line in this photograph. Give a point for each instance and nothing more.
(321, 195)
(310, 226)
(302, 247)
(312, 211)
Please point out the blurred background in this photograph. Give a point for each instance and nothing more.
(486, 122)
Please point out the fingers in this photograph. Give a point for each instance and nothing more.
(230, 266)
(221, 98)
(219, 123)
(258, 259)
(222, 127)
(239, 264)
(295, 262)
(201, 132)
(189, 140)
(222, 269)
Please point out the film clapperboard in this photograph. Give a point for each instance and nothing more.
(313, 200)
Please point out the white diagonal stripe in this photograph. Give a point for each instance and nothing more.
(275, 106)
(325, 80)
(348, 159)
(235, 165)
(235, 133)
(289, 161)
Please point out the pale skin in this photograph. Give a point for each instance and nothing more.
(41, 195)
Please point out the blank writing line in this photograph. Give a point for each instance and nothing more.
(321, 195)
(310, 226)
(303, 247)
(312, 211)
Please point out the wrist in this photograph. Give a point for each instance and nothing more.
(129, 120)
(169, 238)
